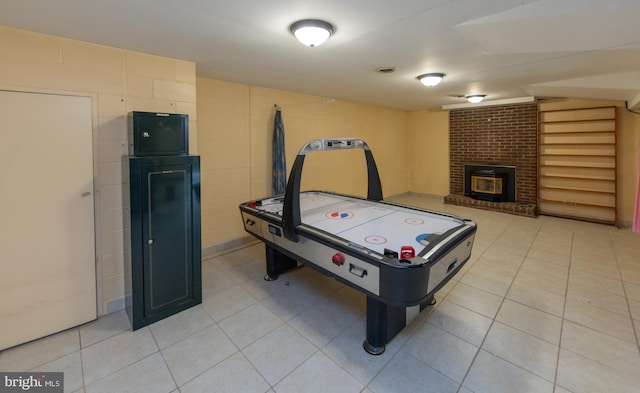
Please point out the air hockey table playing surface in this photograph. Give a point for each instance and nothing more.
(373, 225)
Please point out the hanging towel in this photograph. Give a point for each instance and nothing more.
(279, 172)
(636, 216)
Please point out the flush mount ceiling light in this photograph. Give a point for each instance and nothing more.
(431, 80)
(312, 32)
(475, 98)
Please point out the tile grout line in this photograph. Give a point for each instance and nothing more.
(626, 295)
(81, 362)
(173, 378)
(564, 307)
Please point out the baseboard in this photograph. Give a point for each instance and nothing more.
(430, 196)
(118, 304)
(227, 246)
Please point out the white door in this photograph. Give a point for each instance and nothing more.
(47, 250)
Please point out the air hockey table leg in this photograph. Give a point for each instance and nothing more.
(277, 263)
(384, 322)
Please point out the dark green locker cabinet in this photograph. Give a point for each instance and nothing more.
(166, 256)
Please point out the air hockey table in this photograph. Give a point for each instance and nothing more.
(397, 255)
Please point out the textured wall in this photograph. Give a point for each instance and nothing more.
(235, 128)
(118, 81)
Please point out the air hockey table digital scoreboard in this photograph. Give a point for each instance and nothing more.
(399, 256)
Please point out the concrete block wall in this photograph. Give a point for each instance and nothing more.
(118, 81)
(235, 135)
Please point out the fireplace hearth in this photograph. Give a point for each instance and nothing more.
(518, 208)
(491, 187)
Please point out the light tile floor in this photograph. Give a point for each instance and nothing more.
(544, 305)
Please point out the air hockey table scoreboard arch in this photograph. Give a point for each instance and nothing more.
(399, 256)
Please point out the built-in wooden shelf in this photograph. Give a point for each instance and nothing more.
(577, 164)
(575, 177)
(576, 189)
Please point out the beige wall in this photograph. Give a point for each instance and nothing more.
(235, 124)
(118, 81)
(429, 152)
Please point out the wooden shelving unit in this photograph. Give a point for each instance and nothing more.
(577, 164)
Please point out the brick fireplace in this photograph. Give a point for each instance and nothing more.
(504, 135)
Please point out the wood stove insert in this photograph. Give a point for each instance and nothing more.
(490, 183)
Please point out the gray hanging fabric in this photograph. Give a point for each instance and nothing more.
(279, 171)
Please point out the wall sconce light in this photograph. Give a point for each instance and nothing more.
(475, 98)
(312, 32)
(431, 80)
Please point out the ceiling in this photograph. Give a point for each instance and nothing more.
(502, 48)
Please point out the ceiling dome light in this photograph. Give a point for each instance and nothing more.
(475, 98)
(431, 80)
(312, 32)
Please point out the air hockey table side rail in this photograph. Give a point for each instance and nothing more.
(397, 287)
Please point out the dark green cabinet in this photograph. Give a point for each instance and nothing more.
(166, 272)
